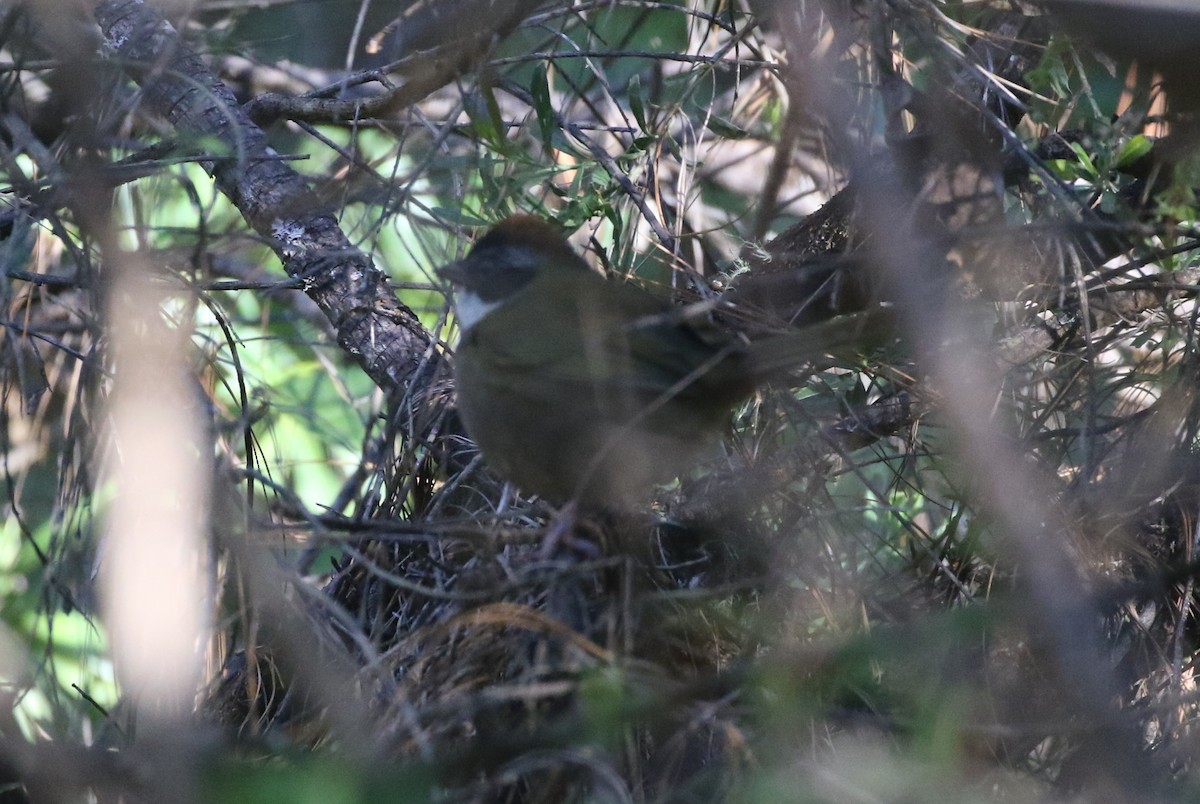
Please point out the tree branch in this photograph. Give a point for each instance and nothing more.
(383, 335)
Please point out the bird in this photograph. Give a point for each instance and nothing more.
(588, 391)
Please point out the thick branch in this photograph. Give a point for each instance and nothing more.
(383, 335)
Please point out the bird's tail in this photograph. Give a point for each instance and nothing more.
(840, 341)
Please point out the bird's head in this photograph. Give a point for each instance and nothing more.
(508, 257)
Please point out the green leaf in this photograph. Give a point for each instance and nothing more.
(641, 144)
(1086, 165)
(637, 103)
(539, 87)
(485, 117)
(458, 216)
(726, 128)
(1133, 150)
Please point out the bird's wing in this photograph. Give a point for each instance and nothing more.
(613, 338)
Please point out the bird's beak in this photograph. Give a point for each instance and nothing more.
(454, 272)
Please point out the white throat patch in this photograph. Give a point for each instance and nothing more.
(470, 308)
